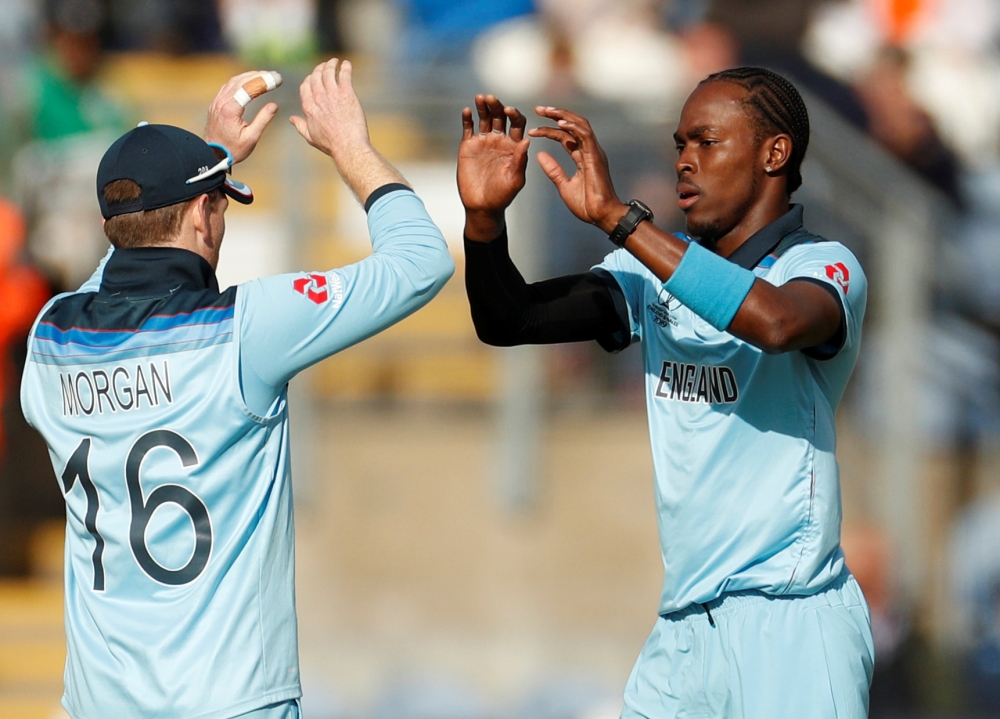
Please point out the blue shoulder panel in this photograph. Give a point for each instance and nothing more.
(108, 325)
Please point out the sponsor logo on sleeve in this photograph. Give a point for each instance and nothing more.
(314, 287)
(840, 274)
(319, 288)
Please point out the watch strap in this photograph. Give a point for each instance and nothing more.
(637, 212)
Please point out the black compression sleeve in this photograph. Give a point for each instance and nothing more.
(507, 311)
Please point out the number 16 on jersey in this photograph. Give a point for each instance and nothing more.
(142, 507)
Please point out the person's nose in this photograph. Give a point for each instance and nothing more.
(685, 162)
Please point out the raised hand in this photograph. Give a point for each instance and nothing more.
(226, 125)
(491, 165)
(589, 193)
(334, 120)
(335, 124)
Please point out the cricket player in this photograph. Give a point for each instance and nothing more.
(164, 403)
(750, 327)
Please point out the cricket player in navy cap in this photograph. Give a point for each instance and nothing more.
(163, 400)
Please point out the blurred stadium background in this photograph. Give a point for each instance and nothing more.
(476, 533)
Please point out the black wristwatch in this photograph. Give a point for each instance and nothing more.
(637, 212)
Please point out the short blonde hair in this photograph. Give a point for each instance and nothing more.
(145, 228)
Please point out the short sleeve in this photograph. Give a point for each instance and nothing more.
(630, 276)
(836, 267)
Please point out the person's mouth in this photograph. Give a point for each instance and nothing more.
(687, 195)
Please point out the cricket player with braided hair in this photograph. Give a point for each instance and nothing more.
(164, 403)
(750, 327)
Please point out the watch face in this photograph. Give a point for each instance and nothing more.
(648, 213)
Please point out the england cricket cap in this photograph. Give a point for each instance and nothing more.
(170, 165)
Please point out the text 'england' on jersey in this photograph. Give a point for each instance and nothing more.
(747, 485)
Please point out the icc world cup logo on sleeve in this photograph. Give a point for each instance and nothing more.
(840, 274)
(665, 310)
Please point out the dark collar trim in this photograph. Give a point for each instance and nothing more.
(155, 271)
(761, 243)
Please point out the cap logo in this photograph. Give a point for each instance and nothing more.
(204, 172)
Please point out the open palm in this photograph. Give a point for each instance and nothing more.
(492, 162)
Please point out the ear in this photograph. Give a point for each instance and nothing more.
(198, 212)
(777, 151)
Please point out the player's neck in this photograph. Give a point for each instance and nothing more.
(757, 218)
(195, 238)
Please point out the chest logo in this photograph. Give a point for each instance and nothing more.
(840, 274)
(664, 310)
(697, 383)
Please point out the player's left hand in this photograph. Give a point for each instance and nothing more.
(226, 125)
(589, 193)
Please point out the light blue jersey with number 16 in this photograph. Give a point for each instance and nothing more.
(163, 403)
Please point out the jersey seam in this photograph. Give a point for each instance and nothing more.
(240, 310)
(806, 526)
(22, 393)
(260, 613)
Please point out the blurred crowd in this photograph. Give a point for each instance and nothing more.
(921, 78)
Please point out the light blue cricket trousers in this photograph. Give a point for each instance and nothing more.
(748, 655)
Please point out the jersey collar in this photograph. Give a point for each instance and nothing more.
(156, 271)
(761, 243)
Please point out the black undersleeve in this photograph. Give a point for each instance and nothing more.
(508, 311)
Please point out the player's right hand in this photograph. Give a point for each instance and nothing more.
(491, 165)
(589, 193)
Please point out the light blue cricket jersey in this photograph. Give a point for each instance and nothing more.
(743, 442)
(163, 403)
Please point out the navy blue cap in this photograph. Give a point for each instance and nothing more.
(170, 165)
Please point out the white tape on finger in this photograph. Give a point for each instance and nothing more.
(255, 87)
(271, 80)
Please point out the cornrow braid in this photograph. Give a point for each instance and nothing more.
(777, 107)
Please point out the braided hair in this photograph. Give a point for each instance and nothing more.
(777, 107)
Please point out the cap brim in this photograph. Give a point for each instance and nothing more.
(238, 191)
